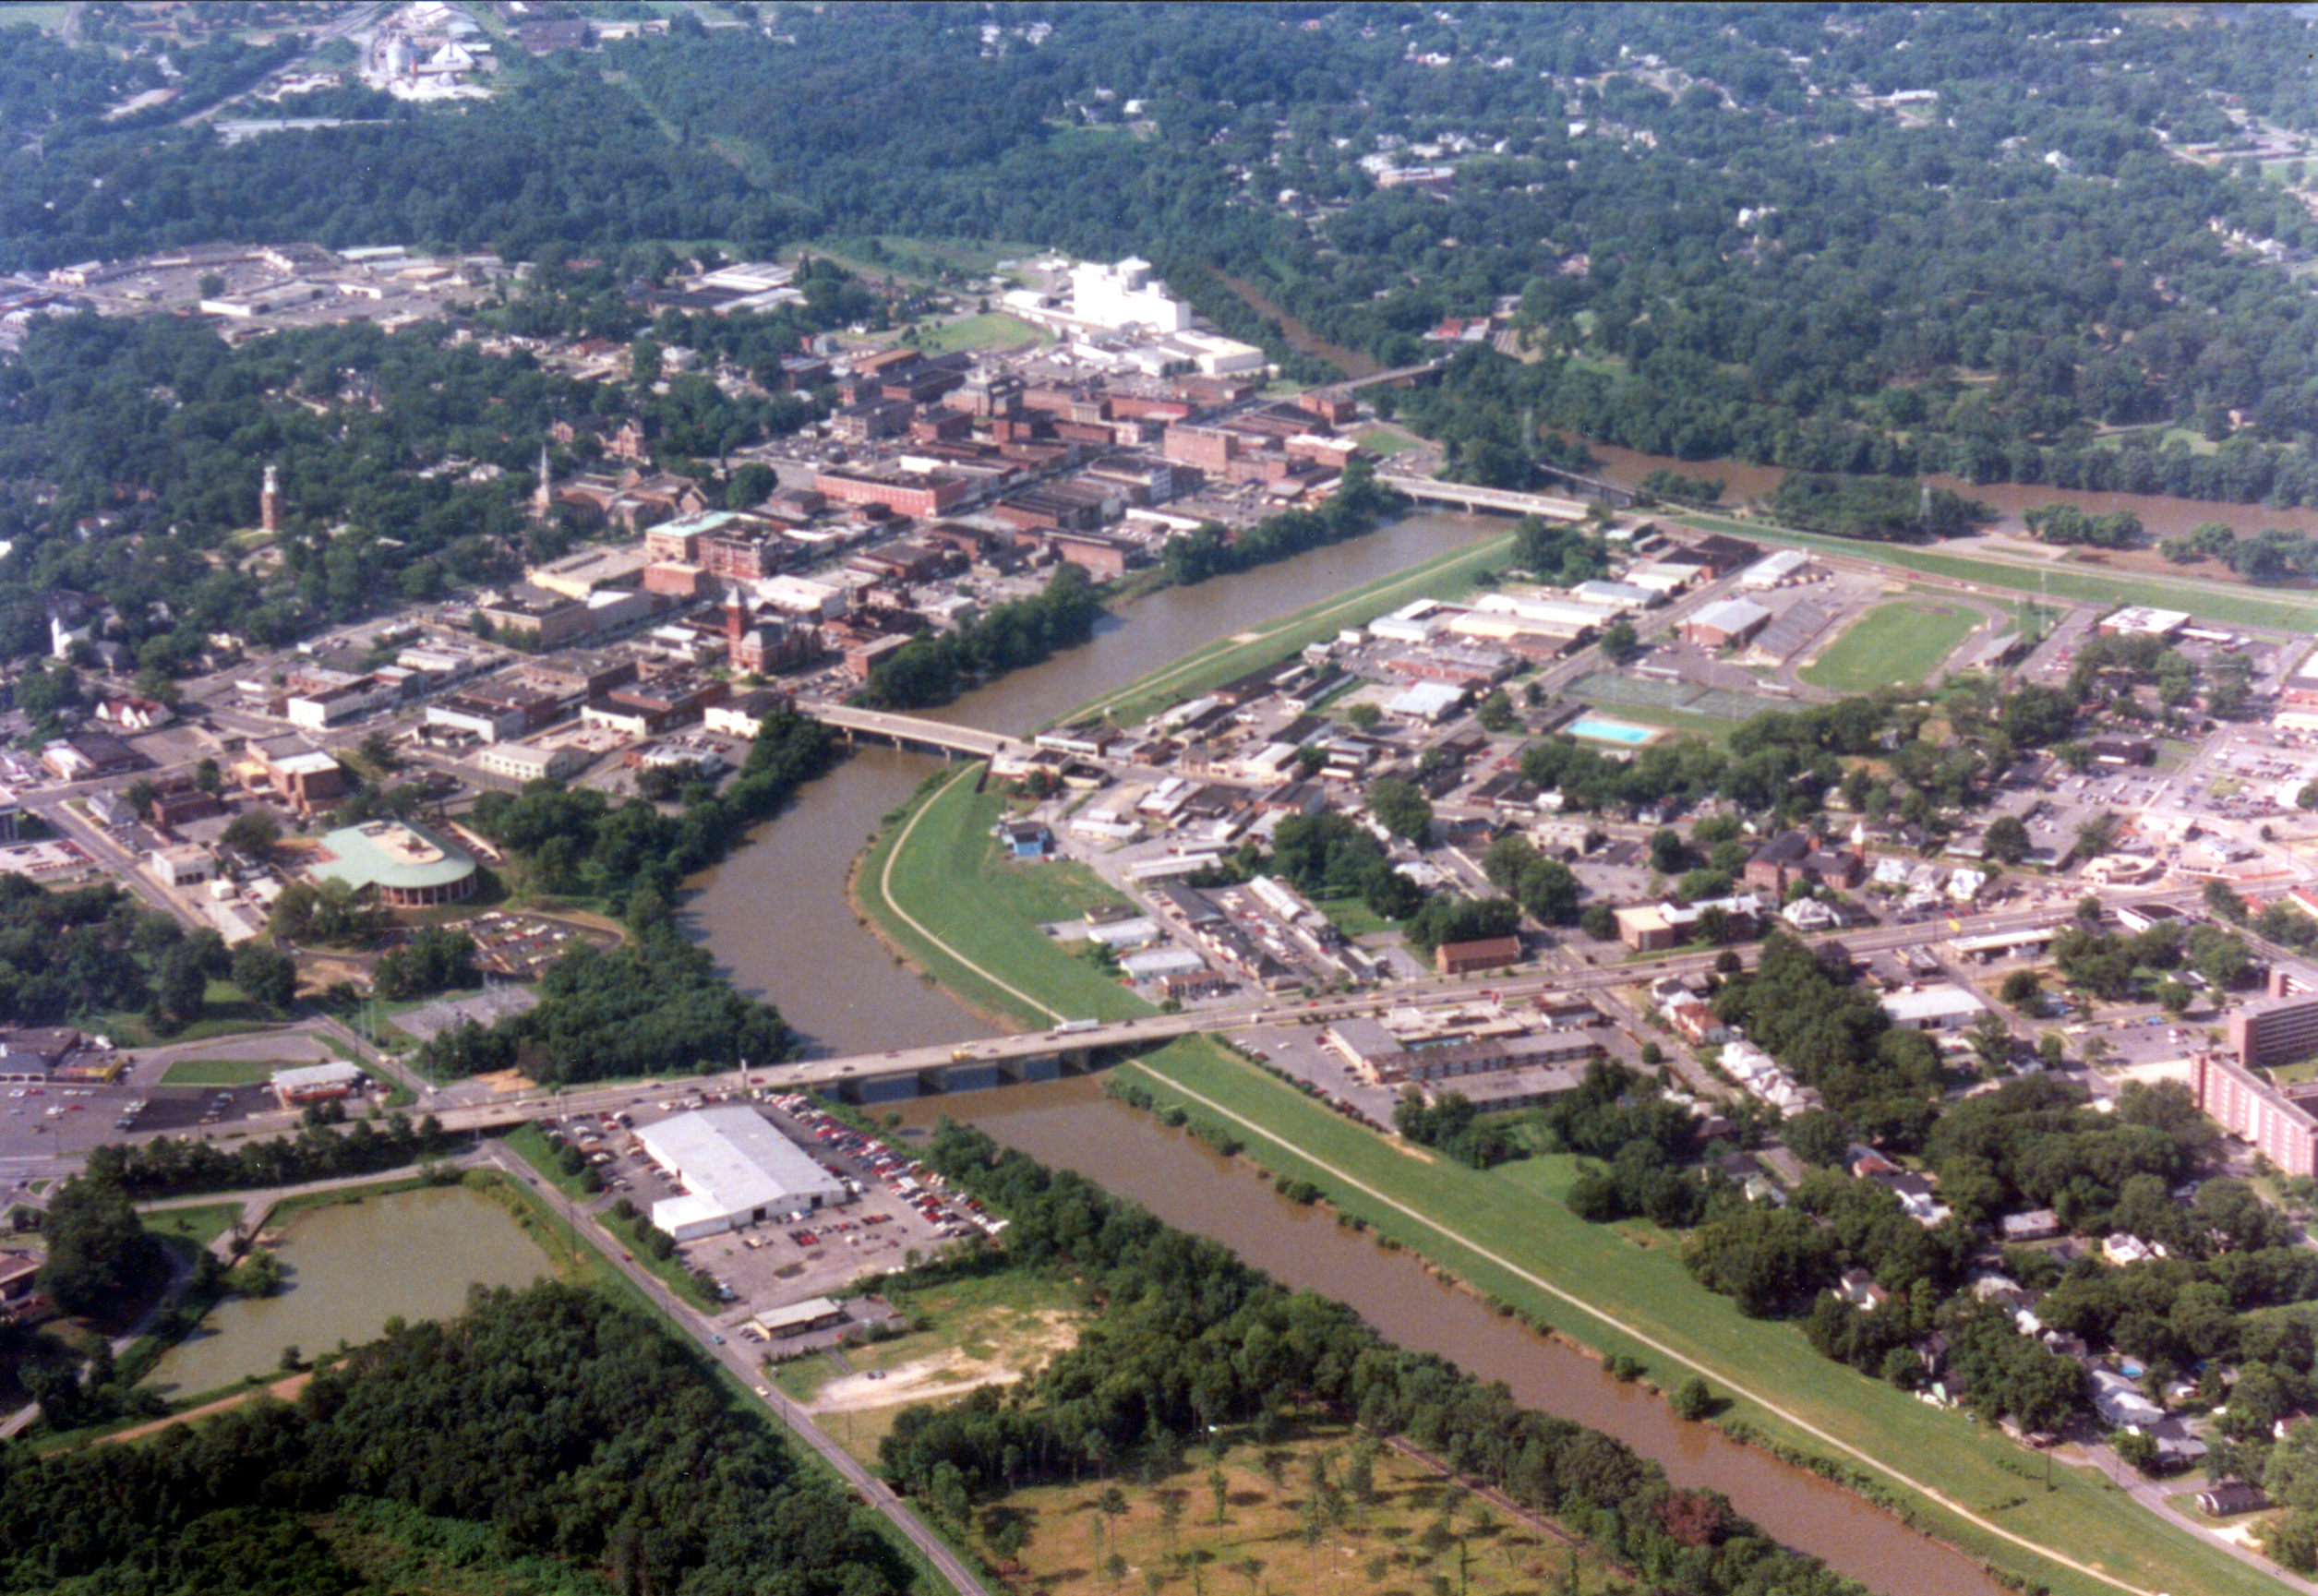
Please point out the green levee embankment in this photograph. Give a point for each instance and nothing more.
(977, 912)
(1625, 1290)
(1508, 1232)
(1444, 575)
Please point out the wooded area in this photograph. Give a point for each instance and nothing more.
(543, 1424)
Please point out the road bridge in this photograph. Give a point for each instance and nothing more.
(909, 731)
(1502, 500)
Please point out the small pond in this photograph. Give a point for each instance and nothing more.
(348, 1268)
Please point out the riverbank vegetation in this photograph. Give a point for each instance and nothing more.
(548, 1424)
(1190, 1339)
(1623, 1288)
(175, 1166)
(1352, 511)
(655, 1002)
(933, 668)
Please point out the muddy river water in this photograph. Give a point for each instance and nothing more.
(1071, 1125)
(775, 917)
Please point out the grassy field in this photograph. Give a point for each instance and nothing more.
(1624, 1289)
(1448, 575)
(1353, 916)
(200, 1225)
(982, 1331)
(993, 330)
(2237, 606)
(219, 1072)
(1275, 1531)
(226, 1012)
(1892, 646)
(1385, 441)
(954, 880)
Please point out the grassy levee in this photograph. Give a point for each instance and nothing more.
(1891, 645)
(2206, 600)
(970, 916)
(1623, 1288)
(1446, 575)
(938, 887)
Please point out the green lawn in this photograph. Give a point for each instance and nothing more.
(2237, 606)
(219, 1072)
(1382, 440)
(200, 1225)
(993, 330)
(1447, 575)
(1353, 916)
(1628, 1282)
(1892, 646)
(953, 879)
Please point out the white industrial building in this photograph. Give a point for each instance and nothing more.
(736, 1170)
(1124, 295)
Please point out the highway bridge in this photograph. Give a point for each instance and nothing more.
(909, 731)
(1042, 1055)
(1503, 500)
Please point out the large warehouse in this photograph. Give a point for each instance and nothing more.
(736, 1169)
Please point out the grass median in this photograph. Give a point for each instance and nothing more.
(1509, 1235)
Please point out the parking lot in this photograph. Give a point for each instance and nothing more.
(896, 1209)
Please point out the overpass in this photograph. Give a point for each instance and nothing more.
(1503, 500)
(909, 731)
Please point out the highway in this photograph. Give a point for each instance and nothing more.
(813, 1075)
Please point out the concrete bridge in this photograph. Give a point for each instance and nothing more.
(909, 731)
(1502, 500)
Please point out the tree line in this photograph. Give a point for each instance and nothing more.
(545, 1425)
(1188, 1336)
(933, 668)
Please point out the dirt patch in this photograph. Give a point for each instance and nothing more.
(505, 1082)
(948, 1374)
(287, 1389)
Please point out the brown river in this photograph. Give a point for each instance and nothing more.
(775, 917)
(1072, 1124)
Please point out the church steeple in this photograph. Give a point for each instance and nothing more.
(543, 500)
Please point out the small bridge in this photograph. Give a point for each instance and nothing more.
(909, 731)
(1502, 500)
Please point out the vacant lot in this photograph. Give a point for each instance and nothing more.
(994, 330)
(1892, 646)
(989, 1331)
(1317, 1508)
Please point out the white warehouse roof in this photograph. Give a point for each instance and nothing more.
(732, 1163)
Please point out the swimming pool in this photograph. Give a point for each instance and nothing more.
(1616, 731)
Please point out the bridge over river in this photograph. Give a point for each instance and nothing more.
(910, 731)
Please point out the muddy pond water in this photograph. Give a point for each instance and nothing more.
(349, 1267)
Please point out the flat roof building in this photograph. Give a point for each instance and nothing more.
(315, 1083)
(736, 1169)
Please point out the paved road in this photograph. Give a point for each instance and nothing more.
(872, 1490)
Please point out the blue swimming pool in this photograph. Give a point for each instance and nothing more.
(1612, 731)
